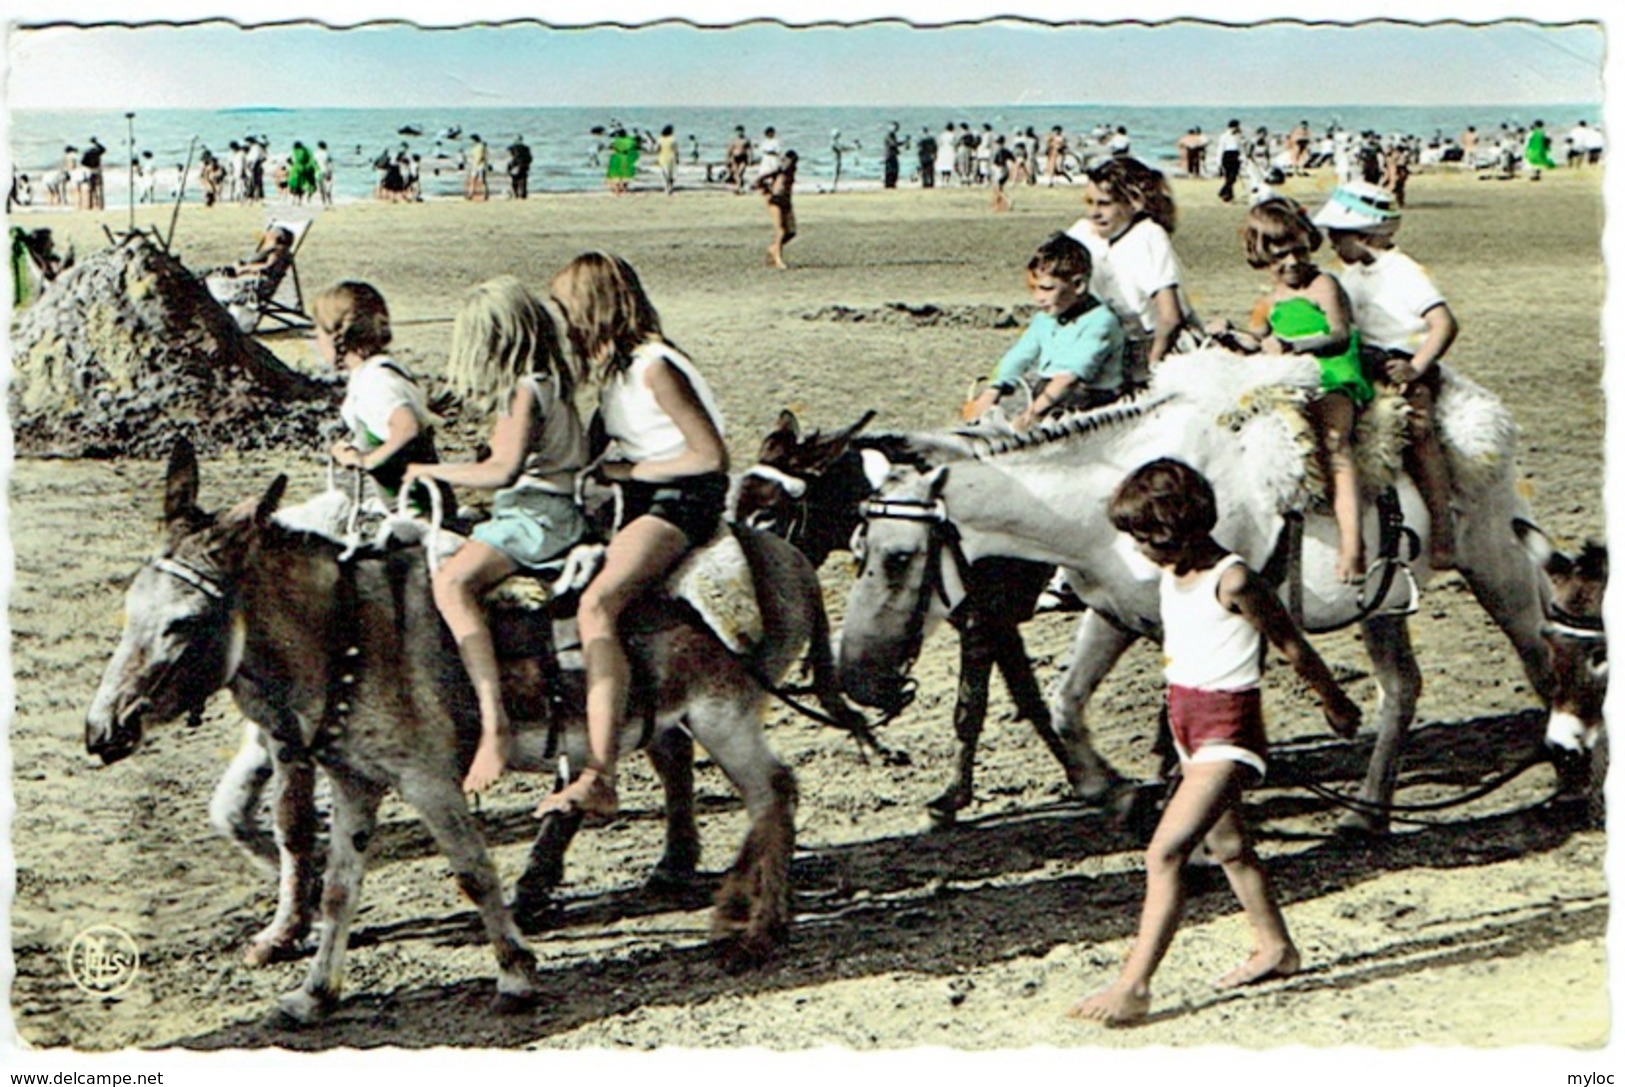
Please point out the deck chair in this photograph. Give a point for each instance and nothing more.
(274, 295)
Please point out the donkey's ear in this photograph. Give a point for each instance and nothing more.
(789, 424)
(272, 499)
(1535, 542)
(876, 467)
(936, 479)
(180, 485)
(837, 443)
(780, 444)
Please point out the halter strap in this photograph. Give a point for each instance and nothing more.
(194, 577)
(1581, 628)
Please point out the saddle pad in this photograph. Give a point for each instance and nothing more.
(715, 580)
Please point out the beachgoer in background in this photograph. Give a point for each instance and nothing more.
(1396, 169)
(77, 176)
(508, 365)
(519, 160)
(1128, 223)
(597, 146)
(210, 175)
(1117, 145)
(670, 458)
(1071, 355)
(1192, 147)
(945, 154)
(1003, 165)
(1308, 313)
(891, 151)
(768, 152)
(623, 162)
(1537, 153)
(1297, 145)
(146, 170)
(739, 159)
(90, 161)
(693, 148)
(324, 173)
(477, 166)
(1406, 326)
(984, 155)
(302, 174)
(666, 158)
(1230, 141)
(965, 154)
(1216, 613)
(839, 150)
(778, 187)
(926, 150)
(255, 151)
(1469, 148)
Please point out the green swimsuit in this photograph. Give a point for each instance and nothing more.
(1300, 318)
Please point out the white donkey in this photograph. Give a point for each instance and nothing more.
(1043, 496)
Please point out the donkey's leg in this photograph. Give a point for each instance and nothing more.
(293, 799)
(1096, 647)
(1506, 584)
(544, 870)
(1393, 661)
(355, 814)
(234, 809)
(976, 654)
(753, 904)
(438, 800)
(671, 752)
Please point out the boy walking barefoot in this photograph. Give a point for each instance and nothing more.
(1215, 614)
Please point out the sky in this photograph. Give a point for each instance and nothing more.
(82, 65)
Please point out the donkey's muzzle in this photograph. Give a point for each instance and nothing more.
(116, 738)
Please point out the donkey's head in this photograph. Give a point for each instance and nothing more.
(180, 642)
(790, 490)
(909, 576)
(1574, 634)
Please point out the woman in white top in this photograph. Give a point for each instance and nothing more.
(1127, 227)
(669, 458)
(506, 361)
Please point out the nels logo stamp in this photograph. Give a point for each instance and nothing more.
(103, 959)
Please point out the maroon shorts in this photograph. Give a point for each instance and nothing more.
(1212, 726)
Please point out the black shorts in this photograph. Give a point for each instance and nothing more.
(694, 506)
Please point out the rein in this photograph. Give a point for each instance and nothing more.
(1366, 807)
(209, 587)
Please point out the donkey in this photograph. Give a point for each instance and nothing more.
(1579, 646)
(807, 488)
(1043, 496)
(347, 665)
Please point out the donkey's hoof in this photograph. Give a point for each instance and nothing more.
(514, 1003)
(1359, 827)
(302, 1008)
(943, 812)
(745, 952)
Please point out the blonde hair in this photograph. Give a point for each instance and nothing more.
(605, 309)
(501, 335)
(355, 315)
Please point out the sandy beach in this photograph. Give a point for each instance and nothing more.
(1483, 928)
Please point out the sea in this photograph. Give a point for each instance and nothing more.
(569, 157)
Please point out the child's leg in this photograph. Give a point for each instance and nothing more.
(457, 588)
(775, 251)
(1432, 475)
(640, 554)
(1335, 415)
(1205, 792)
(1274, 954)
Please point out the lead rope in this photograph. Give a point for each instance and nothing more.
(403, 510)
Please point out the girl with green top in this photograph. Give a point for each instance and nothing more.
(1307, 313)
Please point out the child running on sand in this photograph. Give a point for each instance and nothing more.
(390, 425)
(1307, 313)
(1406, 326)
(506, 361)
(1071, 355)
(1127, 227)
(1215, 614)
(777, 186)
(672, 465)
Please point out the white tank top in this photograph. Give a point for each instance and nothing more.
(637, 422)
(1204, 644)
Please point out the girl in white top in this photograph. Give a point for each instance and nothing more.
(1127, 228)
(389, 425)
(669, 457)
(506, 361)
(1215, 614)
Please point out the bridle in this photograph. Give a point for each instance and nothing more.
(795, 490)
(210, 587)
(943, 546)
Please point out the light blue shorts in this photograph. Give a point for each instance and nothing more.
(530, 526)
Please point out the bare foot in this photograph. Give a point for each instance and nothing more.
(593, 793)
(1261, 966)
(490, 760)
(1115, 1006)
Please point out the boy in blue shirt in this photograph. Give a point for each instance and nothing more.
(1071, 356)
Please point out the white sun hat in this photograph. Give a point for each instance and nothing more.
(1358, 205)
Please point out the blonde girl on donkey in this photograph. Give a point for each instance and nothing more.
(506, 362)
(669, 458)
